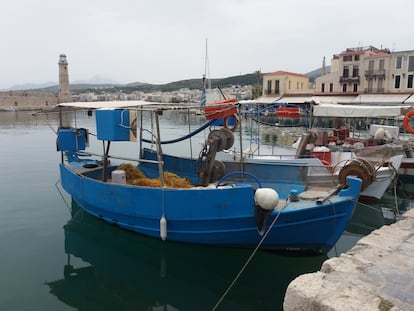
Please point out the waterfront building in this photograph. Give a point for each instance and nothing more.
(359, 75)
(368, 70)
(279, 83)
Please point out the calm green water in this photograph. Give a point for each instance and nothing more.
(55, 257)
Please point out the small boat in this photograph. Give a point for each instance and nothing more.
(327, 165)
(378, 167)
(197, 201)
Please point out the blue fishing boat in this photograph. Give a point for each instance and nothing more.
(151, 275)
(200, 201)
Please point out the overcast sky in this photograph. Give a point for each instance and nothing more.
(160, 41)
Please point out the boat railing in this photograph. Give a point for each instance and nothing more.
(118, 157)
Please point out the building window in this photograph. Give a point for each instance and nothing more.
(381, 64)
(347, 58)
(410, 82)
(411, 63)
(277, 87)
(330, 87)
(345, 73)
(269, 87)
(289, 82)
(398, 62)
(355, 87)
(371, 64)
(355, 71)
(344, 87)
(323, 87)
(356, 57)
(397, 81)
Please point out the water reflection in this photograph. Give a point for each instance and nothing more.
(369, 217)
(18, 119)
(128, 271)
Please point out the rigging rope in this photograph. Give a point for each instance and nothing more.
(204, 126)
(250, 258)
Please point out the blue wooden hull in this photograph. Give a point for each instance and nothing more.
(222, 216)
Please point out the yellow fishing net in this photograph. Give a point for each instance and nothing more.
(135, 177)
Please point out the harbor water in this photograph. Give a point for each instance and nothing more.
(56, 257)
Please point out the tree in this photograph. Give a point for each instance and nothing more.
(257, 87)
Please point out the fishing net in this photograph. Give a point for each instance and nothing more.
(135, 177)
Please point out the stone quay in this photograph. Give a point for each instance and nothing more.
(376, 274)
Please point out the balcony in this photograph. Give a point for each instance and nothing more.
(349, 79)
(375, 73)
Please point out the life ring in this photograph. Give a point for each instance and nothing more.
(406, 122)
(231, 122)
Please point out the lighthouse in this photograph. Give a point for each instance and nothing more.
(64, 91)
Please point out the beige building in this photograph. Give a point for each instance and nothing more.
(401, 72)
(368, 70)
(362, 75)
(11, 100)
(280, 83)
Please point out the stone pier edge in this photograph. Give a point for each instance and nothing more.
(376, 274)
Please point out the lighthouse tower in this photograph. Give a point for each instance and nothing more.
(64, 92)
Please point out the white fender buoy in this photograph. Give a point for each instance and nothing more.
(266, 198)
(163, 228)
(387, 134)
(379, 134)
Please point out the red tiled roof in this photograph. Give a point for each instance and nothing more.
(352, 53)
(379, 54)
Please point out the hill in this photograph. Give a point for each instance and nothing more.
(247, 79)
(242, 80)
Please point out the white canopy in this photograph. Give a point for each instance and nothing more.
(356, 111)
(295, 99)
(344, 99)
(409, 100)
(381, 99)
(267, 99)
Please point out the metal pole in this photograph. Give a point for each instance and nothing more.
(105, 161)
(241, 142)
(159, 151)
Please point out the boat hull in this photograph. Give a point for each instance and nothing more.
(222, 216)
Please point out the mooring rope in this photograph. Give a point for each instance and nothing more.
(61, 195)
(250, 258)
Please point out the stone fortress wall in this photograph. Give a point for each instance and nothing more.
(27, 100)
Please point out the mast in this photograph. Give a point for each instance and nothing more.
(205, 81)
(207, 69)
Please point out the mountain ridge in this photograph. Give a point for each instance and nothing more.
(100, 84)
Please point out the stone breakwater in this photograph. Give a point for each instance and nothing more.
(376, 274)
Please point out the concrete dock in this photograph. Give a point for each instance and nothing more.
(376, 274)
